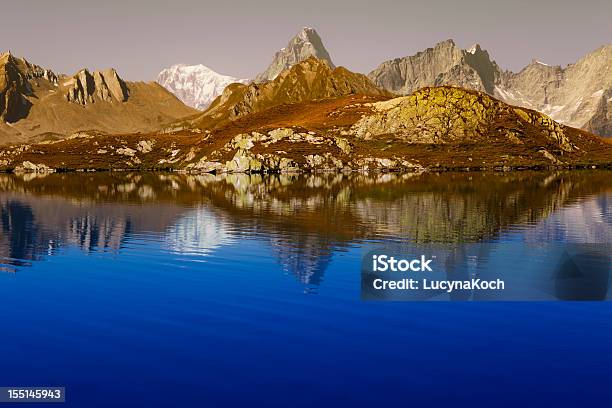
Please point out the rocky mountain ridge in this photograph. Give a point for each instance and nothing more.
(37, 104)
(573, 95)
(311, 117)
(84, 87)
(16, 75)
(601, 122)
(304, 45)
(444, 64)
(310, 79)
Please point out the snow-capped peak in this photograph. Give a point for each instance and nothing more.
(195, 85)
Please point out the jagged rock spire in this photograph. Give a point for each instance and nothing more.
(305, 44)
(106, 85)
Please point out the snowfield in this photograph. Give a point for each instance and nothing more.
(195, 85)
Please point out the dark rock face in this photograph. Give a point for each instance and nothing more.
(14, 106)
(15, 77)
(488, 71)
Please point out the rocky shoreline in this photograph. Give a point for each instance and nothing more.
(29, 167)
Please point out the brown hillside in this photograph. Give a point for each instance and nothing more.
(38, 105)
(308, 80)
(435, 129)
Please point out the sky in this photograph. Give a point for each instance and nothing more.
(239, 38)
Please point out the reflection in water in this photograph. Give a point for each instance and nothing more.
(198, 232)
(302, 219)
(582, 222)
(20, 234)
(304, 256)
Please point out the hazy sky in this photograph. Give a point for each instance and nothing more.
(239, 38)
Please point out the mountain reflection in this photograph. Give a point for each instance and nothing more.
(303, 219)
(198, 232)
(304, 256)
(20, 235)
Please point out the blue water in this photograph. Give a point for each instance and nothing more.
(229, 299)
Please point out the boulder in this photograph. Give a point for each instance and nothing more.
(145, 146)
(243, 161)
(126, 151)
(323, 162)
(280, 134)
(29, 167)
(343, 144)
(206, 166)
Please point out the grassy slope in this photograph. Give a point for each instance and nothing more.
(148, 108)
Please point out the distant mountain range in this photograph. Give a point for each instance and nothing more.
(579, 95)
(197, 85)
(459, 110)
(313, 117)
(37, 104)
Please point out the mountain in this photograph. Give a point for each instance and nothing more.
(310, 117)
(444, 64)
(85, 87)
(305, 44)
(443, 115)
(574, 95)
(37, 104)
(601, 122)
(310, 79)
(577, 95)
(16, 77)
(432, 129)
(195, 85)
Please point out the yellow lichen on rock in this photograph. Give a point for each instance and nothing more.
(431, 115)
(446, 115)
(551, 128)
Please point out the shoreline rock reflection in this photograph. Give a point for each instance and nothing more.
(304, 219)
